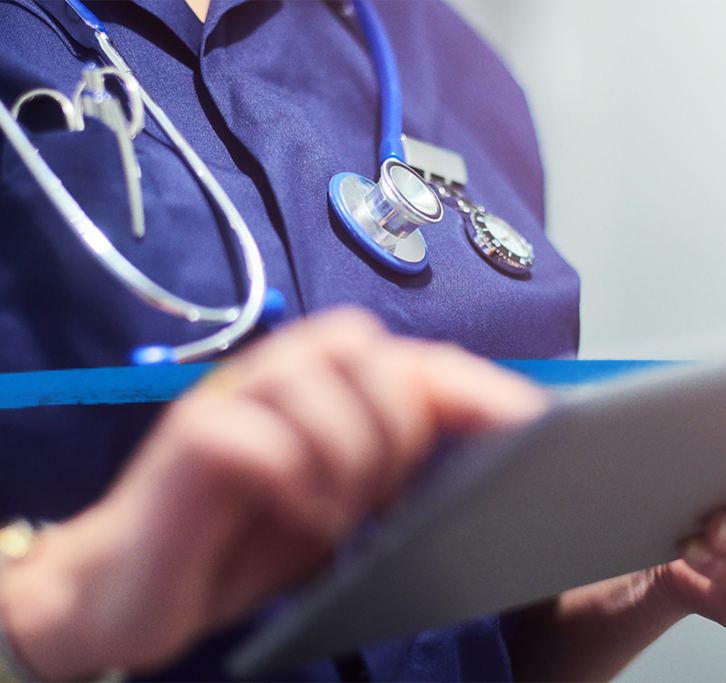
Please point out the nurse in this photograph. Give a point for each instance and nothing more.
(175, 525)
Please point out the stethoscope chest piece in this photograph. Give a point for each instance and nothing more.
(383, 217)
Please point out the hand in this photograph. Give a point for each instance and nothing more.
(697, 583)
(591, 633)
(243, 487)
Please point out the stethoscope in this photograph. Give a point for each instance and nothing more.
(383, 217)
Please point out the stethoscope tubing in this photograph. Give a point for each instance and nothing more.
(378, 43)
(238, 320)
(111, 259)
(250, 312)
(388, 81)
(89, 233)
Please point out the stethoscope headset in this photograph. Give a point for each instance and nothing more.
(382, 217)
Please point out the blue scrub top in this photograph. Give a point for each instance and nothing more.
(276, 97)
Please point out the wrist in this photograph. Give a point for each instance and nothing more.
(660, 601)
(640, 600)
(42, 610)
(592, 632)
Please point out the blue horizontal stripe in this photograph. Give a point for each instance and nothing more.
(165, 382)
(573, 372)
(103, 385)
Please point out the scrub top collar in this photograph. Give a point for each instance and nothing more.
(260, 10)
(179, 17)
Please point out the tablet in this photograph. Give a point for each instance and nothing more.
(606, 483)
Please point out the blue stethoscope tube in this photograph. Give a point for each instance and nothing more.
(383, 217)
(388, 83)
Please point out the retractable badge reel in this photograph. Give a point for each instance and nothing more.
(493, 238)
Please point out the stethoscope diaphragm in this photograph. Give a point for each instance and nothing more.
(384, 217)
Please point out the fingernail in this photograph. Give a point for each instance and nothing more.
(719, 537)
(698, 555)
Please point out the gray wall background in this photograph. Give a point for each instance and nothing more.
(629, 100)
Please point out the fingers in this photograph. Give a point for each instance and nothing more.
(696, 584)
(422, 390)
(469, 393)
(251, 478)
(706, 553)
(305, 377)
(353, 410)
(367, 405)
